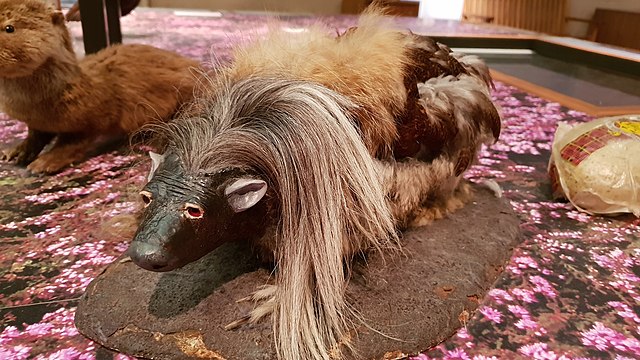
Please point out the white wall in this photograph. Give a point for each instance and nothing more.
(441, 9)
(584, 9)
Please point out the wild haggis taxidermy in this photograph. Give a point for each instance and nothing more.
(315, 149)
(113, 92)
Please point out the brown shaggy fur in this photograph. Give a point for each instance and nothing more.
(414, 97)
(113, 92)
(380, 68)
(367, 64)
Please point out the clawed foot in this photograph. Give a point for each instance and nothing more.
(265, 300)
(44, 164)
(18, 154)
(28, 150)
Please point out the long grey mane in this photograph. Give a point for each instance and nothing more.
(331, 203)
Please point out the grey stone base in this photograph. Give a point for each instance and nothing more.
(417, 299)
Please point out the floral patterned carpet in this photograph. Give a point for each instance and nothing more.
(570, 290)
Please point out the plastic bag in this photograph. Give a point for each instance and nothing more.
(596, 165)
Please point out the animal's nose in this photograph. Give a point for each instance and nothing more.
(148, 257)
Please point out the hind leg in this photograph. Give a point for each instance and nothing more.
(426, 214)
(69, 148)
(420, 192)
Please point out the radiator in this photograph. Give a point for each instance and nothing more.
(547, 16)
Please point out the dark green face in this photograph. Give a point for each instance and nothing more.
(187, 216)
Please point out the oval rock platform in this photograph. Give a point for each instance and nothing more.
(410, 301)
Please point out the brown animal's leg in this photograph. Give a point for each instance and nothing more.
(413, 185)
(443, 207)
(29, 148)
(68, 149)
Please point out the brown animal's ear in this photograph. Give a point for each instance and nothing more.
(244, 193)
(57, 18)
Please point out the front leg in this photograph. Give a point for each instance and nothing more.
(68, 149)
(265, 300)
(29, 148)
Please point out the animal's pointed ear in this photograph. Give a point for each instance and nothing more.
(57, 18)
(156, 161)
(243, 193)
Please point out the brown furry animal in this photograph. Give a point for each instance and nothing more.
(113, 92)
(316, 149)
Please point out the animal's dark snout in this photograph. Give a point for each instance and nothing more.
(149, 257)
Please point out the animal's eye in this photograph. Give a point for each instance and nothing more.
(147, 197)
(9, 29)
(193, 211)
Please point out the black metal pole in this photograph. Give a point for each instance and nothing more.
(100, 24)
(94, 25)
(113, 21)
